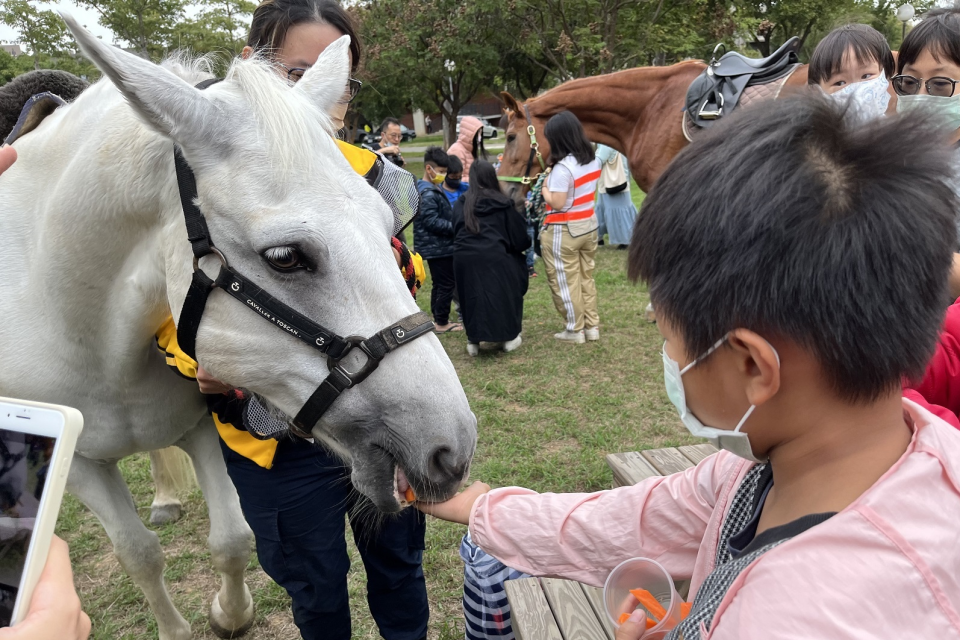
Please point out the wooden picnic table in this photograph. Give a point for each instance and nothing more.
(554, 609)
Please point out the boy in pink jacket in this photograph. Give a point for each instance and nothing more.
(799, 270)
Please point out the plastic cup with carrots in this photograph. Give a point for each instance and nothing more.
(643, 583)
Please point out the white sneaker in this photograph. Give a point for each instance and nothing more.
(473, 349)
(575, 337)
(512, 345)
(593, 334)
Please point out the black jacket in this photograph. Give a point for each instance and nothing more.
(491, 271)
(502, 229)
(395, 158)
(433, 232)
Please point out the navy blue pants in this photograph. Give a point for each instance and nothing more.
(296, 510)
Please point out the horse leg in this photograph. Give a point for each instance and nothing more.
(171, 471)
(231, 541)
(100, 486)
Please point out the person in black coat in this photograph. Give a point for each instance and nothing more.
(488, 261)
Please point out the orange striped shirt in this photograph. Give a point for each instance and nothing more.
(580, 198)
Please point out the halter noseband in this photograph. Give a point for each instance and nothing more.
(526, 178)
(332, 345)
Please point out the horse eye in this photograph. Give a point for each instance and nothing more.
(284, 259)
(511, 138)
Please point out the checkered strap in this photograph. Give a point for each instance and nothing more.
(716, 585)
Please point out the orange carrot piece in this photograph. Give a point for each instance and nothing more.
(649, 603)
(409, 495)
(650, 623)
(685, 609)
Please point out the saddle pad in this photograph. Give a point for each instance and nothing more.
(752, 94)
(34, 111)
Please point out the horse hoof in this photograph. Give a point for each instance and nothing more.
(164, 514)
(221, 626)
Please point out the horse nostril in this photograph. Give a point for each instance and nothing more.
(444, 465)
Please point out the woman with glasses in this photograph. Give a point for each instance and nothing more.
(295, 494)
(928, 69)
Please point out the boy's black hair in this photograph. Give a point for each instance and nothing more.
(792, 223)
(868, 46)
(437, 157)
(454, 165)
(938, 32)
(566, 137)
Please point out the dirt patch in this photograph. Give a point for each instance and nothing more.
(556, 446)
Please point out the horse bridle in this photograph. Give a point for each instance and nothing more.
(329, 343)
(526, 178)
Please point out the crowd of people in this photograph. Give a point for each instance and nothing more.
(799, 314)
(476, 265)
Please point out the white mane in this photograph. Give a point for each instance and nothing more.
(189, 67)
(286, 117)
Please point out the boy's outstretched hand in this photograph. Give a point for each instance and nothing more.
(457, 508)
(633, 627)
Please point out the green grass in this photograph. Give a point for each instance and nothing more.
(548, 413)
(423, 141)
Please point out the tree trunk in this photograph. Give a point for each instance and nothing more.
(143, 39)
(450, 135)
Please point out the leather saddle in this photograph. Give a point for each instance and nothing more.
(716, 92)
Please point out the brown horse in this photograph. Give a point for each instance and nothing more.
(638, 112)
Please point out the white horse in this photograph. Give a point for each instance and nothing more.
(94, 255)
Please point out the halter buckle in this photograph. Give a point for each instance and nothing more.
(369, 365)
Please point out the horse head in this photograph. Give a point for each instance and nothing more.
(288, 212)
(524, 154)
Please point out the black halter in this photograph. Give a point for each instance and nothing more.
(335, 347)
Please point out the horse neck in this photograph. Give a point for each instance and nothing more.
(105, 217)
(627, 110)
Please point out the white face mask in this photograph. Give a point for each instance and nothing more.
(867, 100)
(736, 441)
(947, 109)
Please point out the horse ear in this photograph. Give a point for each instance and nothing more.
(165, 102)
(510, 102)
(326, 81)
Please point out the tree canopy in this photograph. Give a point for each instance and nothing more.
(439, 55)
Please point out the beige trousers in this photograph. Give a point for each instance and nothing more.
(570, 263)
